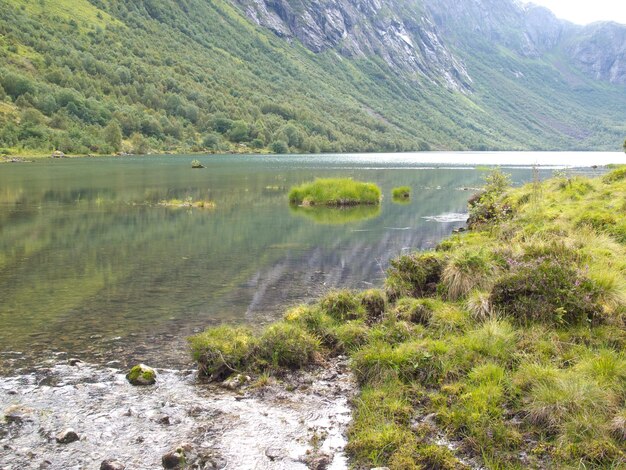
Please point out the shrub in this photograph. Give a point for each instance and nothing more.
(413, 275)
(547, 292)
(342, 305)
(374, 301)
(402, 192)
(222, 350)
(287, 345)
(335, 192)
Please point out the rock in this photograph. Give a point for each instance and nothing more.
(57, 154)
(74, 361)
(172, 460)
(272, 453)
(112, 465)
(67, 436)
(236, 382)
(141, 375)
(319, 462)
(164, 419)
(17, 414)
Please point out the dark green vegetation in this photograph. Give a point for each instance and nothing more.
(335, 192)
(400, 193)
(97, 76)
(508, 339)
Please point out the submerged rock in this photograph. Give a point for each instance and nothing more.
(112, 465)
(17, 414)
(67, 436)
(141, 375)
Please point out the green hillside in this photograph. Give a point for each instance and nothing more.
(104, 76)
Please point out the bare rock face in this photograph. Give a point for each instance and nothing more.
(431, 38)
(600, 51)
(404, 37)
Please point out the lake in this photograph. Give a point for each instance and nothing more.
(92, 266)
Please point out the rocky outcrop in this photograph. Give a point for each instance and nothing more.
(430, 38)
(405, 38)
(599, 50)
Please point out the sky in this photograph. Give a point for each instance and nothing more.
(586, 11)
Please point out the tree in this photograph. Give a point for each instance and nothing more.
(625, 145)
(279, 146)
(112, 135)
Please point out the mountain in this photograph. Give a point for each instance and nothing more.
(89, 76)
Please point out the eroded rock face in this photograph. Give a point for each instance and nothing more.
(405, 38)
(431, 38)
(600, 51)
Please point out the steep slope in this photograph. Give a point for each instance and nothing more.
(299, 75)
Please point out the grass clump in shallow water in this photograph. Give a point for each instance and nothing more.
(401, 193)
(508, 341)
(335, 192)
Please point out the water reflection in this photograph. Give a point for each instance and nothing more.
(90, 264)
(337, 215)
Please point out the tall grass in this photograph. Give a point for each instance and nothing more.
(335, 192)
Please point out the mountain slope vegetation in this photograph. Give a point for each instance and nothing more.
(104, 76)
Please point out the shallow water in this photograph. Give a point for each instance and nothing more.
(92, 265)
(267, 428)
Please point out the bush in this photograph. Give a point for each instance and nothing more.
(343, 305)
(547, 292)
(287, 345)
(351, 335)
(222, 350)
(414, 275)
(335, 192)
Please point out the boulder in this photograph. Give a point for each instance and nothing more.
(141, 375)
(112, 465)
(57, 154)
(67, 436)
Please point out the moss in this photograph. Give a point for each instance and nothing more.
(335, 192)
(222, 350)
(141, 375)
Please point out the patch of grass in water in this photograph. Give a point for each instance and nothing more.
(335, 192)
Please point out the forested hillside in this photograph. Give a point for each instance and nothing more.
(105, 76)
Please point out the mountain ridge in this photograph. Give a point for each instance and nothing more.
(326, 76)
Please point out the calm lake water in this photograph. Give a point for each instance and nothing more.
(92, 266)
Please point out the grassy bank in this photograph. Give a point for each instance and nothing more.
(335, 192)
(506, 341)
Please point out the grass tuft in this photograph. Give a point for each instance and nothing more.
(335, 192)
